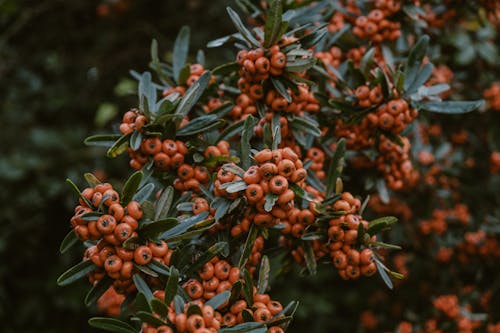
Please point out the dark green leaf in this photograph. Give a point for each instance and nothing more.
(415, 58)
(200, 124)
(162, 206)
(383, 191)
(144, 193)
(146, 270)
(179, 304)
(159, 268)
(246, 136)
(159, 307)
(153, 229)
(247, 286)
(380, 224)
(219, 299)
(308, 125)
(226, 69)
(281, 89)
(300, 65)
(208, 255)
(235, 292)
(171, 285)
(141, 303)
(383, 274)
(192, 95)
(147, 317)
(251, 327)
(451, 107)
(75, 273)
(310, 258)
(247, 34)
(270, 201)
(264, 270)
(68, 242)
(130, 187)
(313, 236)
(335, 168)
(102, 140)
(77, 191)
(142, 287)
(273, 23)
(119, 147)
(111, 325)
(247, 248)
(97, 290)
(181, 47)
(135, 140)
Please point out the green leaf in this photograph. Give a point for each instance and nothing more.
(183, 226)
(234, 169)
(97, 290)
(130, 187)
(159, 268)
(101, 140)
(111, 325)
(451, 107)
(199, 125)
(202, 227)
(313, 236)
(246, 136)
(159, 307)
(149, 318)
(91, 179)
(192, 95)
(280, 321)
(247, 248)
(422, 76)
(92, 216)
(77, 191)
(250, 327)
(226, 69)
(208, 255)
(234, 186)
(219, 299)
(300, 65)
(335, 168)
(153, 229)
(68, 242)
(415, 58)
(383, 274)
(308, 125)
(281, 89)
(146, 270)
(142, 287)
(179, 304)
(247, 286)
(164, 203)
(144, 193)
(264, 271)
(245, 33)
(135, 140)
(273, 23)
(310, 258)
(181, 47)
(381, 224)
(76, 272)
(231, 131)
(270, 201)
(141, 303)
(119, 147)
(171, 285)
(235, 292)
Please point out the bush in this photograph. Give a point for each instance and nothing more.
(242, 170)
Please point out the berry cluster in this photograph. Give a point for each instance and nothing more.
(350, 260)
(376, 27)
(303, 100)
(101, 216)
(166, 154)
(190, 178)
(257, 65)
